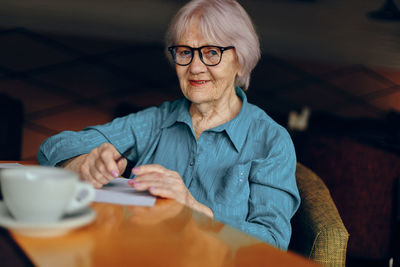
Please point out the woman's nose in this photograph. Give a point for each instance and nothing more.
(197, 66)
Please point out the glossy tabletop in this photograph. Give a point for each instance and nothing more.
(167, 234)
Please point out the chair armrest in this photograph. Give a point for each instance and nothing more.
(318, 230)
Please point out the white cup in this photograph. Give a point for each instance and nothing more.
(43, 194)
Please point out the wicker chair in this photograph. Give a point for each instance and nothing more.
(318, 230)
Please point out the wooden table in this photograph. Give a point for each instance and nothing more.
(167, 234)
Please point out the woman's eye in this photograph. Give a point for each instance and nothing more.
(185, 53)
(211, 53)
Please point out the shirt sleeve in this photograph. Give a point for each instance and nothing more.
(69, 144)
(122, 132)
(273, 197)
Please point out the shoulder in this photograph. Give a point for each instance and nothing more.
(154, 115)
(272, 137)
(261, 122)
(165, 108)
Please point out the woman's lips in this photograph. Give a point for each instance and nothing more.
(198, 82)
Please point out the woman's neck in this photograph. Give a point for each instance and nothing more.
(210, 115)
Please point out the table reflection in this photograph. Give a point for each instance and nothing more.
(74, 250)
(167, 234)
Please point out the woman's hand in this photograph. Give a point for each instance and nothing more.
(100, 166)
(162, 182)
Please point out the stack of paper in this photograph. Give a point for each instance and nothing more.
(118, 191)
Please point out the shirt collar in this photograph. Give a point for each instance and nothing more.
(179, 114)
(236, 129)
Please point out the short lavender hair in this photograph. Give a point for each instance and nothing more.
(224, 22)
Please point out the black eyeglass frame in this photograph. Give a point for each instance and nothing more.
(192, 49)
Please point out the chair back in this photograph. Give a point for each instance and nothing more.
(318, 231)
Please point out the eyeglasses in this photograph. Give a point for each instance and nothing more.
(209, 55)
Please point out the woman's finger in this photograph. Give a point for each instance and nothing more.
(157, 189)
(96, 184)
(151, 176)
(149, 168)
(100, 167)
(97, 176)
(110, 155)
(182, 197)
(161, 192)
(160, 182)
(122, 163)
(87, 176)
(84, 172)
(147, 181)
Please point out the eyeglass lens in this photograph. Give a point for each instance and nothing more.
(210, 55)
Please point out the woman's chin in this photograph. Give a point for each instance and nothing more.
(197, 99)
(198, 95)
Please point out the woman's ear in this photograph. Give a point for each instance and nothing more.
(239, 67)
(237, 77)
(240, 72)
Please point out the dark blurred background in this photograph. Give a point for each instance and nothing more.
(68, 64)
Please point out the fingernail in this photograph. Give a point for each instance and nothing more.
(133, 182)
(114, 173)
(135, 170)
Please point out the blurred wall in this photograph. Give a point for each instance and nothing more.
(328, 30)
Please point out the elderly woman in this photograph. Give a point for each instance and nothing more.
(211, 150)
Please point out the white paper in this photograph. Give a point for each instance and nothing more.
(119, 192)
(10, 165)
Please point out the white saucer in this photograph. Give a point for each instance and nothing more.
(66, 224)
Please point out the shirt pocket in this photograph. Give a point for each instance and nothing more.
(233, 187)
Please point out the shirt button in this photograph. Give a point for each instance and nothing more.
(241, 173)
(191, 163)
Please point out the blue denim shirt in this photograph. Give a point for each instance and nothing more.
(243, 170)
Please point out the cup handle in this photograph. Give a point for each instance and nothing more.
(80, 201)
